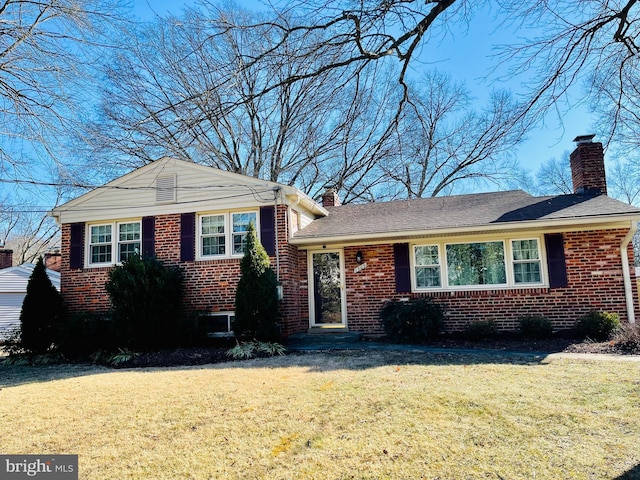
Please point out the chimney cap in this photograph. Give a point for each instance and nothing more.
(580, 139)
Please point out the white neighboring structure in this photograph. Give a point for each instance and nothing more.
(13, 288)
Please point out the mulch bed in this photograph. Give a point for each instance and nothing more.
(207, 355)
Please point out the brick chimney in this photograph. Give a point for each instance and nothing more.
(330, 198)
(53, 260)
(587, 166)
(6, 258)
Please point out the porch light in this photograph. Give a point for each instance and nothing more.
(359, 256)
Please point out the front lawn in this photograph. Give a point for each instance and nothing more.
(350, 414)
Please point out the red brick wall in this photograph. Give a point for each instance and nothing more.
(209, 285)
(593, 268)
(594, 274)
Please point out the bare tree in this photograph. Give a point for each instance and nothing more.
(190, 88)
(554, 177)
(444, 142)
(42, 60)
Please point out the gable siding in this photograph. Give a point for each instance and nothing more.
(204, 187)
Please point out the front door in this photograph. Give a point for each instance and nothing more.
(327, 300)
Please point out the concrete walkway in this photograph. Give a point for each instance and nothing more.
(322, 346)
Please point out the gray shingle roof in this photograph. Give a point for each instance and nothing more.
(489, 210)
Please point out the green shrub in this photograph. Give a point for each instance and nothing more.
(535, 327)
(42, 309)
(246, 350)
(598, 326)
(146, 297)
(83, 333)
(256, 303)
(413, 321)
(481, 330)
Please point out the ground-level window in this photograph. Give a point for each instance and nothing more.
(217, 324)
(477, 264)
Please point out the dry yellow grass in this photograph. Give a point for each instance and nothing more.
(360, 415)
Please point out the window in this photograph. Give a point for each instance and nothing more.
(526, 261)
(103, 242)
(241, 223)
(224, 234)
(218, 324)
(128, 240)
(510, 262)
(427, 266)
(213, 235)
(476, 264)
(100, 244)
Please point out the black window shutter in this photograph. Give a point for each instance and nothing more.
(267, 229)
(187, 237)
(402, 267)
(555, 260)
(148, 236)
(76, 245)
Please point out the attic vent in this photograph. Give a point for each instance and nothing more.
(166, 189)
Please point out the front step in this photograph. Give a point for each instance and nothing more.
(323, 339)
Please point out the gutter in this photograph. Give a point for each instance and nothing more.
(626, 273)
(561, 224)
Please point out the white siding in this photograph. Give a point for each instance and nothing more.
(197, 189)
(10, 306)
(13, 288)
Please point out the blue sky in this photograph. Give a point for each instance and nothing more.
(467, 58)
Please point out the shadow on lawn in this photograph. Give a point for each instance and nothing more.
(633, 474)
(314, 361)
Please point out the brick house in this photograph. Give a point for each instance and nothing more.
(489, 255)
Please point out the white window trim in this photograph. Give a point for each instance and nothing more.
(228, 233)
(509, 270)
(229, 314)
(115, 242)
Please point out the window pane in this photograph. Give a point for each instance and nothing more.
(101, 234)
(127, 250)
(129, 232)
(427, 255)
(527, 272)
(525, 249)
(428, 277)
(241, 221)
(213, 225)
(476, 264)
(101, 254)
(213, 245)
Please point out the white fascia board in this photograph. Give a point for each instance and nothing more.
(560, 225)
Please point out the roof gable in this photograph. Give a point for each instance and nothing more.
(170, 185)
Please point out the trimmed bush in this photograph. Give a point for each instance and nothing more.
(146, 297)
(598, 326)
(413, 321)
(536, 327)
(84, 333)
(256, 304)
(42, 309)
(481, 330)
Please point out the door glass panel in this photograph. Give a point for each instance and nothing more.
(327, 292)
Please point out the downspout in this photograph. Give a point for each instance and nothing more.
(626, 273)
(276, 193)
